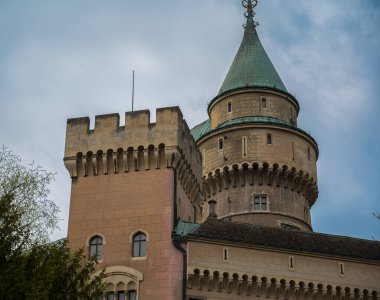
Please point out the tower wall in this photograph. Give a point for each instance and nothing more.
(254, 103)
(284, 171)
(141, 177)
(116, 207)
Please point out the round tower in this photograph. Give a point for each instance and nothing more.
(257, 164)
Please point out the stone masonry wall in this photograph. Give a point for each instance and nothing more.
(116, 207)
(249, 103)
(253, 273)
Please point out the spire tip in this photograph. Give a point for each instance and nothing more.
(250, 13)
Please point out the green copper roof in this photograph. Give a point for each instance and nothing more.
(201, 129)
(204, 128)
(251, 66)
(184, 228)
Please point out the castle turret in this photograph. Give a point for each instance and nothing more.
(130, 186)
(257, 164)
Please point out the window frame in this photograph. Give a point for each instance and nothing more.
(98, 247)
(121, 293)
(269, 139)
(141, 244)
(129, 295)
(264, 103)
(221, 144)
(244, 146)
(292, 263)
(229, 107)
(260, 200)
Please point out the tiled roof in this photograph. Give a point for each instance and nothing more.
(201, 129)
(272, 237)
(251, 66)
(204, 128)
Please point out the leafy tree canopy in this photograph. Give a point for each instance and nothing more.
(30, 267)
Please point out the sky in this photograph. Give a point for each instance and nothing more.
(74, 58)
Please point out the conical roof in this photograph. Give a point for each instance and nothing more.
(251, 66)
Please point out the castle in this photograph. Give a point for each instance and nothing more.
(221, 211)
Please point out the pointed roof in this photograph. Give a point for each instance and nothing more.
(251, 66)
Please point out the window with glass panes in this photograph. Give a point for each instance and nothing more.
(132, 295)
(260, 202)
(96, 247)
(139, 245)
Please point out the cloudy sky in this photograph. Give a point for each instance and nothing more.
(72, 58)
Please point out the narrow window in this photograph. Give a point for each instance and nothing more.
(220, 144)
(263, 103)
(110, 296)
(263, 202)
(121, 295)
(291, 263)
(244, 146)
(139, 245)
(229, 107)
(257, 202)
(269, 139)
(293, 149)
(341, 269)
(203, 158)
(308, 153)
(132, 295)
(96, 247)
(225, 254)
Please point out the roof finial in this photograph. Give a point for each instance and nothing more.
(249, 14)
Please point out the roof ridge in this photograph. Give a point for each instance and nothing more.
(281, 229)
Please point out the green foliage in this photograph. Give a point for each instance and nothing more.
(29, 188)
(30, 268)
(54, 272)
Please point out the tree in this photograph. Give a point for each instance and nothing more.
(30, 267)
(29, 189)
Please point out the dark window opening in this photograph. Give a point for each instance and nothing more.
(225, 254)
(291, 262)
(96, 247)
(110, 296)
(269, 139)
(221, 144)
(229, 107)
(263, 103)
(341, 268)
(139, 245)
(132, 295)
(245, 148)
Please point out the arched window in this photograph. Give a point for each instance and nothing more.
(96, 247)
(139, 245)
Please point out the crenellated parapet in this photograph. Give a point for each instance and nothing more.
(251, 174)
(253, 286)
(138, 146)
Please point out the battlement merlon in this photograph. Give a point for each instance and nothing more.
(169, 131)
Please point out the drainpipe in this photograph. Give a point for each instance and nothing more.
(176, 239)
(175, 216)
